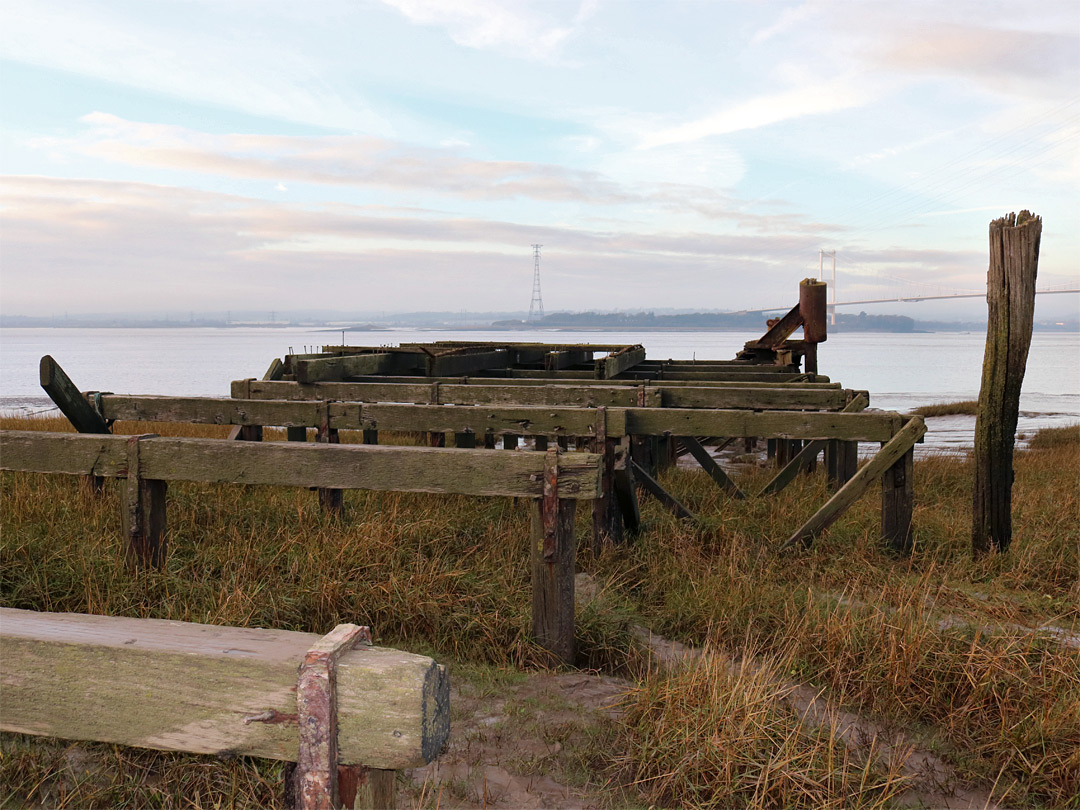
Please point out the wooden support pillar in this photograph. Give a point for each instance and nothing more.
(143, 512)
(436, 439)
(897, 502)
(510, 441)
(331, 500)
(770, 449)
(841, 462)
(1010, 297)
(553, 560)
(466, 439)
(296, 434)
(489, 439)
(250, 433)
(540, 442)
(563, 442)
(813, 309)
(371, 436)
(607, 526)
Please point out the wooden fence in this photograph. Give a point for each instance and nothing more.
(349, 714)
(553, 481)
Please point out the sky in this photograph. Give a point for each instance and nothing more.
(402, 155)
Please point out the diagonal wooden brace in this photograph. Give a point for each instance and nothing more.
(316, 709)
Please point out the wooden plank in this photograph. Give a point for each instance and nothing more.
(652, 486)
(229, 691)
(332, 466)
(71, 403)
(216, 411)
(336, 369)
(753, 398)
(777, 424)
(615, 364)
(711, 467)
(479, 419)
(458, 364)
(839, 503)
(781, 330)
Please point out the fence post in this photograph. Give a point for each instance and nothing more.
(553, 556)
(143, 511)
(332, 500)
(1010, 297)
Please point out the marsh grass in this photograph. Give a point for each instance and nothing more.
(968, 407)
(933, 643)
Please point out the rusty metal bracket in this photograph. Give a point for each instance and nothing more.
(316, 709)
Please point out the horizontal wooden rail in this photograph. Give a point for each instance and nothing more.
(349, 714)
(528, 420)
(331, 466)
(650, 395)
(178, 686)
(518, 382)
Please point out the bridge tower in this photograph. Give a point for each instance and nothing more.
(831, 308)
(536, 306)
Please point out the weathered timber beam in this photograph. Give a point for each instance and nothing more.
(331, 466)
(754, 398)
(781, 330)
(456, 393)
(525, 420)
(737, 372)
(652, 486)
(336, 369)
(809, 452)
(71, 403)
(218, 411)
(818, 383)
(557, 360)
(708, 463)
(458, 364)
(746, 378)
(615, 364)
(229, 691)
(893, 451)
(868, 427)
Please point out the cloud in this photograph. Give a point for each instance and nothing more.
(509, 27)
(85, 245)
(679, 181)
(769, 108)
(1000, 60)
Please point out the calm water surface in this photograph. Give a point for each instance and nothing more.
(901, 371)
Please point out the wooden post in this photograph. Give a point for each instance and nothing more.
(813, 308)
(371, 436)
(606, 523)
(436, 438)
(1010, 297)
(296, 434)
(143, 512)
(82, 415)
(332, 500)
(841, 462)
(553, 557)
(897, 502)
(510, 441)
(466, 440)
(540, 442)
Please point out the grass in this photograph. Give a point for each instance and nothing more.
(968, 407)
(933, 643)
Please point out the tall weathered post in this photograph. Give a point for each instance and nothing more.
(1010, 297)
(813, 309)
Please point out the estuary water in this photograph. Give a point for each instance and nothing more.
(901, 371)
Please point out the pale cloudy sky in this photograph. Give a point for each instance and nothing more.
(398, 155)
